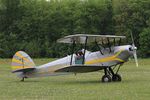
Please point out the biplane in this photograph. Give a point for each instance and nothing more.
(109, 57)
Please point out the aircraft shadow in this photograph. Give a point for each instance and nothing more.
(72, 82)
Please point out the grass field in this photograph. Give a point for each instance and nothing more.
(135, 84)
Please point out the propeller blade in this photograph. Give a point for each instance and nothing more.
(135, 57)
(132, 38)
(134, 50)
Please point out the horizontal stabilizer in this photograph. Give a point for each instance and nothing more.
(24, 70)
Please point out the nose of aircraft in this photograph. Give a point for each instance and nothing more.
(133, 48)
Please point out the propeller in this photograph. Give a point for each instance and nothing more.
(134, 48)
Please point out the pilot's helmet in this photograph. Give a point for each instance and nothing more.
(80, 52)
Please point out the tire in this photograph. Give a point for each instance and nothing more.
(116, 78)
(106, 78)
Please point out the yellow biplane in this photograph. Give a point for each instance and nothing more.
(106, 58)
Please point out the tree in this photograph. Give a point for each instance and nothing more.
(132, 16)
(144, 42)
(35, 25)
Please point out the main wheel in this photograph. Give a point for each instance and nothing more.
(116, 78)
(106, 78)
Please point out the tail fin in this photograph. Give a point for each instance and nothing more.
(22, 62)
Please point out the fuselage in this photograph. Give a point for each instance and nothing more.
(109, 57)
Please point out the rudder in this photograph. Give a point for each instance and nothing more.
(21, 62)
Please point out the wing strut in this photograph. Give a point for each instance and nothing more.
(72, 51)
(85, 49)
(109, 45)
(99, 48)
(114, 41)
(119, 42)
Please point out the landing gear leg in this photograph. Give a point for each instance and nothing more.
(23, 76)
(110, 75)
(22, 80)
(115, 76)
(106, 77)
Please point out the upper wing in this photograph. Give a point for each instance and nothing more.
(80, 38)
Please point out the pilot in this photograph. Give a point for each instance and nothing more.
(79, 57)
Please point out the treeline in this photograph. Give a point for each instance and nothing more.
(35, 25)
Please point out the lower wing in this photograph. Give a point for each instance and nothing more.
(81, 68)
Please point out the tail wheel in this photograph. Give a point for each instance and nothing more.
(106, 78)
(22, 80)
(116, 78)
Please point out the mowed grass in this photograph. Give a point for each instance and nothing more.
(135, 84)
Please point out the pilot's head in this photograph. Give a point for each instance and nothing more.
(79, 53)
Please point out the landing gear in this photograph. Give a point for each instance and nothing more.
(116, 78)
(106, 78)
(110, 75)
(23, 76)
(22, 80)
